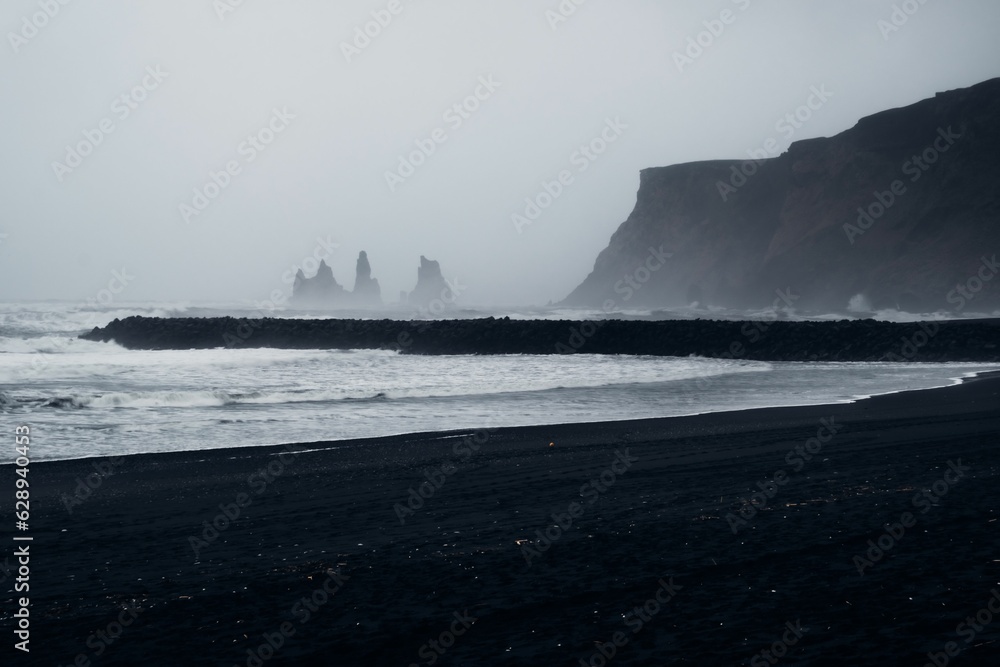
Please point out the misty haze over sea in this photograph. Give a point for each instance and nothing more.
(179, 111)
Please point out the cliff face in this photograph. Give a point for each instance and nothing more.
(903, 209)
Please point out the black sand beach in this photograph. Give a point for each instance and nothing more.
(333, 559)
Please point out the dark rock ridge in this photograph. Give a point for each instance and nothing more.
(431, 284)
(845, 340)
(823, 220)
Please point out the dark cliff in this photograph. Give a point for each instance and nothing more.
(902, 209)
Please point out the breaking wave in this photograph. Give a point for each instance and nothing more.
(199, 399)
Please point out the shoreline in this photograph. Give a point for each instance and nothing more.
(450, 433)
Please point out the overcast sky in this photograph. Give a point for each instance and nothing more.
(207, 85)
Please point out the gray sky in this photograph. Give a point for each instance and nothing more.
(338, 122)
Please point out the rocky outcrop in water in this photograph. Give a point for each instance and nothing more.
(323, 290)
(366, 289)
(900, 211)
(431, 285)
(763, 340)
(320, 290)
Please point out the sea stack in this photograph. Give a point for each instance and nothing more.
(320, 290)
(366, 289)
(430, 284)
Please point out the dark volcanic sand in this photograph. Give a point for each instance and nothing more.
(662, 518)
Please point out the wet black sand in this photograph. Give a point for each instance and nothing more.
(124, 554)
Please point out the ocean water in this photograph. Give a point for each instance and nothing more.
(85, 399)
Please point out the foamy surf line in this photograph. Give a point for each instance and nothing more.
(971, 375)
(196, 399)
(578, 431)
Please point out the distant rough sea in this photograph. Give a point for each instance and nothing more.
(88, 399)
